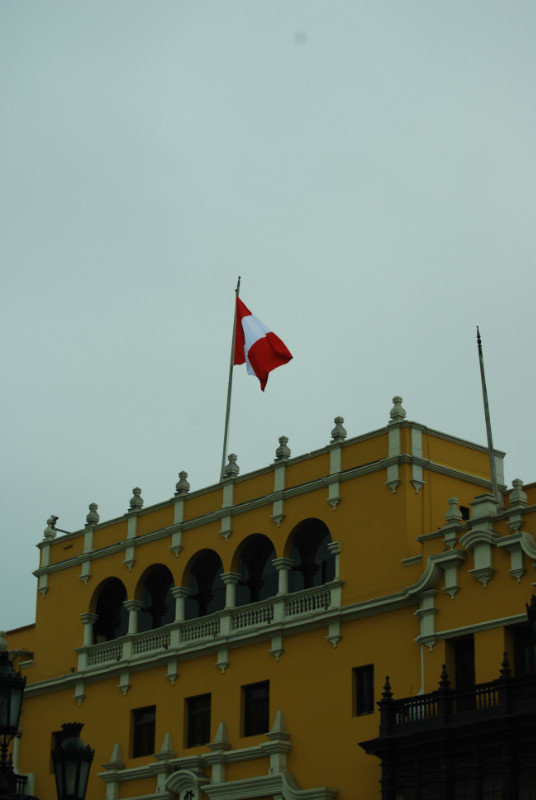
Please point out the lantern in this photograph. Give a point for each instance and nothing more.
(72, 760)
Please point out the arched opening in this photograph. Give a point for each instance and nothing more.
(258, 576)
(157, 603)
(313, 563)
(112, 615)
(206, 590)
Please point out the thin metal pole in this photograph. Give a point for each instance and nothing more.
(494, 487)
(229, 388)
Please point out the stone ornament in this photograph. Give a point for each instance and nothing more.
(338, 434)
(182, 486)
(453, 515)
(50, 530)
(136, 501)
(283, 451)
(92, 518)
(397, 413)
(517, 496)
(231, 468)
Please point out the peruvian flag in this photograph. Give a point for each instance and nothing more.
(258, 346)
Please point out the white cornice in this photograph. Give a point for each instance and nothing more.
(260, 502)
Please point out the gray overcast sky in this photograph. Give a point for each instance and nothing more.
(367, 167)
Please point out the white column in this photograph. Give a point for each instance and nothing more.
(283, 566)
(230, 580)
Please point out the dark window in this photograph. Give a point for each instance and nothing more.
(198, 720)
(258, 576)
(206, 590)
(158, 606)
(112, 615)
(464, 661)
(314, 564)
(256, 698)
(464, 512)
(143, 723)
(363, 690)
(524, 647)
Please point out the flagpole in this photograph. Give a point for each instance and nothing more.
(229, 388)
(494, 487)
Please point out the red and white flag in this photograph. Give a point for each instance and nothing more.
(256, 345)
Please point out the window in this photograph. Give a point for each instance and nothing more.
(363, 690)
(143, 723)
(524, 650)
(112, 616)
(463, 650)
(256, 701)
(206, 590)
(158, 606)
(258, 576)
(198, 720)
(465, 512)
(314, 564)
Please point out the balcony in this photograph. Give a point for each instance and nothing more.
(475, 741)
(267, 617)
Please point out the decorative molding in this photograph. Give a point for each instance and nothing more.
(277, 649)
(124, 682)
(223, 659)
(334, 636)
(172, 671)
(416, 450)
(411, 560)
(250, 505)
(79, 693)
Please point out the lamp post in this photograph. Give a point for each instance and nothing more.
(72, 758)
(11, 690)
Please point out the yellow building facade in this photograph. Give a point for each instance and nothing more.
(232, 642)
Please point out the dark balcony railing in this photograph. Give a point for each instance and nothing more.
(497, 697)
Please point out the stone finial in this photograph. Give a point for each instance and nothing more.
(517, 496)
(92, 518)
(3, 641)
(283, 451)
(506, 672)
(397, 413)
(182, 486)
(338, 434)
(50, 530)
(231, 468)
(221, 742)
(453, 515)
(444, 682)
(387, 693)
(136, 501)
(278, 730)
(116, 760)
(166, 751)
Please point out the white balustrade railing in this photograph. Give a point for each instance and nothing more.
(312, 600)
(154, 640)
(255, 615)
(199, 629)
(249, 617)
(104, 653)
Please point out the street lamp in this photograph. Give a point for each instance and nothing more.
(72, 760)
(11, 690)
